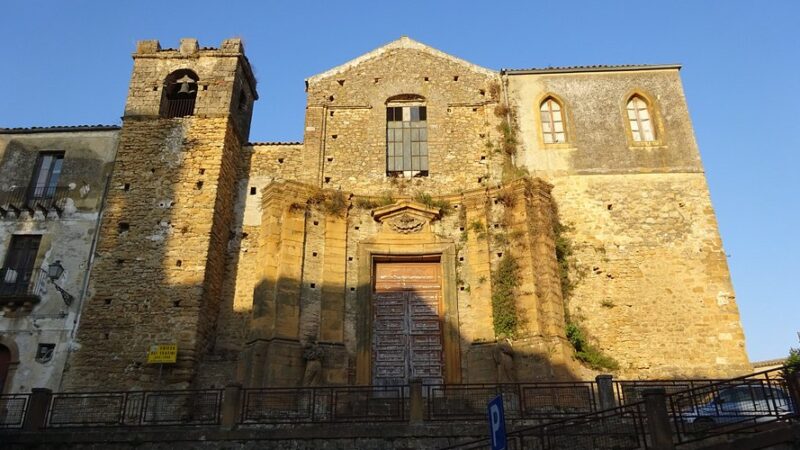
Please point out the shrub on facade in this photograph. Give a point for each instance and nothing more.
(505, 280)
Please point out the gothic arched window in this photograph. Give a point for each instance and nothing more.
(640, 119)
(406, 136)
(552, 117)
(180, 93)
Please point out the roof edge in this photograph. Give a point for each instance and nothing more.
(402, 42)
(59, 129)
(251, 144)
(579, 69)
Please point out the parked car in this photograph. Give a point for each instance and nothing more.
(755, 402)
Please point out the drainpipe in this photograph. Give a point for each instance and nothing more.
(89, 264)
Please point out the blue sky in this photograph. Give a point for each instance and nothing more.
(68, 63)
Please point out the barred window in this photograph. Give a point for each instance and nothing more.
(640, 120)
(406, 139)
(552, 121)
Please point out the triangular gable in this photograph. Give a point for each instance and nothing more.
(403, 42)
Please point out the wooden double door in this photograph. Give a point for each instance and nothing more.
(407, 323)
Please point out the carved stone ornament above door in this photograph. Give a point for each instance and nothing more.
(406, 216)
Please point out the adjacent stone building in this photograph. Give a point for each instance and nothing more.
(440, 221)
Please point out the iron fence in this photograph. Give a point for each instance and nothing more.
(325, 404)
(13, 408)
(44, 198)
(631, 391)
(178, 107)
(739, 405)
(135, 408)
(521, 400)
(15, 282)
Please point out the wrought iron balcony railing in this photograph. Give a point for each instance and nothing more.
(19, 200)
(20, 289)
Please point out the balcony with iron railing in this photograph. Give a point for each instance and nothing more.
(14, 203)
(21, 290)
(177, 107)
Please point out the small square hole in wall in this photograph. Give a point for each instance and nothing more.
(341, 82)
(313, 253)
(327, 179)
(201, 171)
(316, 222)
(499, 254)
(474, 109)
(480, 179)
(357, 228)
(461, 258)
(332, 113)
(107, 301)
(120, 262)
(280, 160)
(455, 78)
(199, 185)
(376, 80)
(127, 187)
(155, 88)
(330, 159)
(482, 135)
(106, 336)
(176, 303)
(334, 136)
(313, 285)
(460, 228)
(178, 263)
(123, 227)
(610, 207)
(483, 157)
(352, 289)
(331, 98)
(349, 258)
(455, 206)
(482, 91)
(461, 288)
(497, 225)
(152, 170)
(252, 190)
(427, 79)
(205, 87)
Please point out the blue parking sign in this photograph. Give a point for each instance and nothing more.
(497, 423)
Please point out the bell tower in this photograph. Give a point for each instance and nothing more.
(160, 261)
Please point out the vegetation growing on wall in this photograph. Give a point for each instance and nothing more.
(505, 280)
(585, 351)
(426, 199)
(372, 203)
(333, 202)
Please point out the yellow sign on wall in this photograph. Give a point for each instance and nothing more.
(162, 354)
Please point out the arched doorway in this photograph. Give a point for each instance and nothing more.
(5, 364)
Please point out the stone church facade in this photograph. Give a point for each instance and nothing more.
(440, 221)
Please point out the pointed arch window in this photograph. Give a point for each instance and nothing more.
(552, 117)
(640, 119)
(406, 136)
(180, 93)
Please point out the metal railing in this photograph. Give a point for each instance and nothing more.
(32, 199)
(631, 391)
(521, 400)
(177, 107)
(135, 408)
(705, 410)
(739, 405)
(13, 408)
(17, 283)
(324, 404)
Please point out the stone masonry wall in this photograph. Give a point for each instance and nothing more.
(345, 141)
(653, 286)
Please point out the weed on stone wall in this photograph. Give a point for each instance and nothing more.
(426, 199)
(505, 281)
(479, 228)
(585, 351)
(372, 203)
(568, 276)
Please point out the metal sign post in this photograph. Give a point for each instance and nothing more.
(497, 423)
